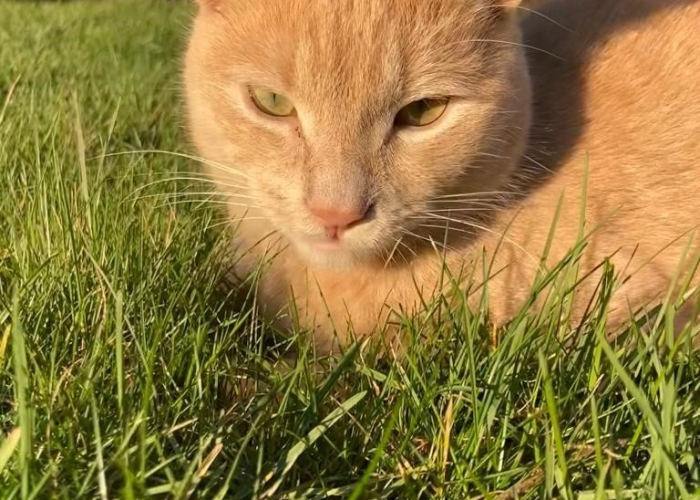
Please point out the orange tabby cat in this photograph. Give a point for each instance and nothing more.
(366, 143)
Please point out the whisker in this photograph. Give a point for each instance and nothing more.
(469, 195)
(472, 209)
(210, 201)
(401, 254)
(515, 44)
(430, 240)
(213, 194)
(480, 227)
(457, 203)
(403, 244)
(187, 178)
(546, 18)
(447, 227)
(545, 168)
(528, 10)
(393, 251)
(202, 201)
(205, 161)
(240, 219)
(228, 222)
(209, 195)
(194, 174)
(491, 155)
(198, 204)
(225, 222)
(159, 195)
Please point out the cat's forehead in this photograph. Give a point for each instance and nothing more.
(357, 58)
(369, 37)
(364, 40)
(358, 13)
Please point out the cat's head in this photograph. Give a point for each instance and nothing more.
(348, 120)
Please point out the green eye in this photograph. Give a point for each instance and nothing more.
(422, 113)
(271, 103)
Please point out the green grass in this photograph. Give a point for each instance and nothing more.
(121, 356)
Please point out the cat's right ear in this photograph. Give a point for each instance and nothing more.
(500, 9)
(515, 5)
(516, 8)
(518, 4)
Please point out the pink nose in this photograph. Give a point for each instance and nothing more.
(337, 220)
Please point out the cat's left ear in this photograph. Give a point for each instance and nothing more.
(210, 4)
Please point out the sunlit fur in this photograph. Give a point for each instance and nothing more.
(608, 85)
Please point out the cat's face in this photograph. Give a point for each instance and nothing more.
(348, 119)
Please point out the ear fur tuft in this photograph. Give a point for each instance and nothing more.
(209, 4)
(506, 3)
(502, 9)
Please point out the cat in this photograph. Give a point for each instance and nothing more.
(371, 145)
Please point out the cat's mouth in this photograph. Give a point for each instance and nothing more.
(333, 252)
(320, 241)
(323, 245)
(333, 238)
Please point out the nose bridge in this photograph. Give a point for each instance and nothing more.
(339, 179)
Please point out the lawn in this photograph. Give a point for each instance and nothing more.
(128, 371)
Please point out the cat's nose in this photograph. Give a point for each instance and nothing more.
(337, 220)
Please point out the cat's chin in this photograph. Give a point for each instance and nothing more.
(330, 257)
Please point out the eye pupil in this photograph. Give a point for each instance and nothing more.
(271, 103)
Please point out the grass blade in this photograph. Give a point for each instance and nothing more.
(298, 449)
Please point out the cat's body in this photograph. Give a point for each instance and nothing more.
(608, 91)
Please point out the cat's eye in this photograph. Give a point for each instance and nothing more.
(422, 113)
(271, 103)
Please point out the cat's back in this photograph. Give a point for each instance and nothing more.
(598, 30)
(616, 107)
(616, 87)
(623, 59)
